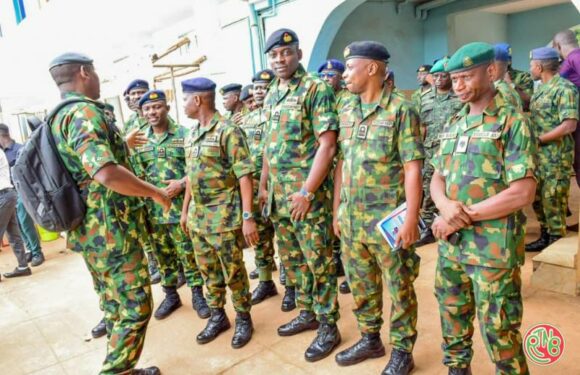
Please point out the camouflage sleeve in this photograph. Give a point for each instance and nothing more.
(519, 150)
(322, 109)
(568, 103)
(237, 152)
(526, 83)
(88, 136)
(410, 140)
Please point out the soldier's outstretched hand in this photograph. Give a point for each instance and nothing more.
(135, 138)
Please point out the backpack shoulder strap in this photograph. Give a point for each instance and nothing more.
(61, 105)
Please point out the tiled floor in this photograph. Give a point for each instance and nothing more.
(45, 321)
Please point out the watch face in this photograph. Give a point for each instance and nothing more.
(246, 215)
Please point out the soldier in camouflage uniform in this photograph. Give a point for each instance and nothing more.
(110, 238)
(484, 176)
(437, 106)
(162, 160)
(425, 82)
(253, 125)
(231, 99)
(379, 168)
(521, 81)
(219, 188)
(299, 150)
(502, 59)
(554, 116)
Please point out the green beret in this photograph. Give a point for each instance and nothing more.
(439, 66)
(470, 56)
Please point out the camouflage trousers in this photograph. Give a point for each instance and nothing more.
(366, 265)
(495, 294)
(428, 208)
(122, 282)
(264, 249)
(171, 248)
(306, 253)
(551, 204)
(220, 259)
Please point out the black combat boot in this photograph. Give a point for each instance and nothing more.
(305, 321)
(170, 303)
(199, 303)
(326, 340)
(401, 363)
(243, 330)
(264, 290)
(100, 329)
(254, 274)
(217, 324)
(344, 288)
(459, 371)
(369, 346)
(289, 300)
(153, 370)
(541, 243)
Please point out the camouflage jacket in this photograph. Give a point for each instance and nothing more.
(522, 80)
(297, 115)
(509, 94)
(436, 110)
(551, 104)
(86, 144)
(163, 159)
(373, 150)
(134, 122)
(416, 97)
(217, 156)
(479, 157)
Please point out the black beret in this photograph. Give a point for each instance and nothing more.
(367, 50)
(424, 68)
(137, 84)
(246, 92)
(230, 87)
(279, 38)
(109, 107)
(70, 58)
(198, 84)
(265, 75)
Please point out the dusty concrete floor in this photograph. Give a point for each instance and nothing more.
(45, 319)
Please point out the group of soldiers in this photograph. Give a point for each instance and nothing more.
(314, 162)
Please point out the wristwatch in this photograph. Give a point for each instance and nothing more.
(306, 194)
(247, 215)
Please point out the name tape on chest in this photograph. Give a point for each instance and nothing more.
(383, 123)
(443, 136)
(486, 135)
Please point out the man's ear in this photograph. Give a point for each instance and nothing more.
(372, 68)
(299, 54)
(84, 71)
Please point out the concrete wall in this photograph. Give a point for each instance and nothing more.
(535, 28)
(466, 27)
(401, 33)
(435, 41)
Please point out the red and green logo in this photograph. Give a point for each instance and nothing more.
(544, 344)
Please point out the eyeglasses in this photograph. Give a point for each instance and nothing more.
(327, 74)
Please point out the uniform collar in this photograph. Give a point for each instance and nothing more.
(217, 117)
(72, 94)
(492, 108)
(294, 81)
(171, 127)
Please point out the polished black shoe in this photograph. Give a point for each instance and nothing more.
(254, 274)
(426, 239)
(289, 300)
(401, 363)
(326, 340)
(282, 275)
(344, 288)
(18, 272)
(37, 260)
(217, 324)
(28, 257)
(100, 329)
(541, 243)
(369, 346)
(180, 279)
(243, 330)
(264, 290)
(459, 371)
(572, 228)
(153, 370)
(199, 303)
(170, 303)
(305, 321)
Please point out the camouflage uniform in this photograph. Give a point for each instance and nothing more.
(253, 126)
(298, 115)
(374, 146)
(522, 80)
(509, 94)
(110, 238)
(435, 110)
(162, 159)
(217, 157)
(416, 96)
(553, 102)
(479, 157)
(341, 96)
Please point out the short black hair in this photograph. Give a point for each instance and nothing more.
(4, 129)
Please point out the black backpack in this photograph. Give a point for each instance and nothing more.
(47, 189)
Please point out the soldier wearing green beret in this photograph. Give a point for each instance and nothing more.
(437, 106)
(484, 177)
(425, 82)
(554, 117)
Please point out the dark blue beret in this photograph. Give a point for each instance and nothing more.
(544, 53)
(152, 96)
(265, 75)
(199, 84)
(424, 68)
(137, 84)
(70, 58)
(503, 52)
(109, 107)
(230, 87)
(332, 64)
(390, 75)
(279, 38)
(367, 50)
(246, 92)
